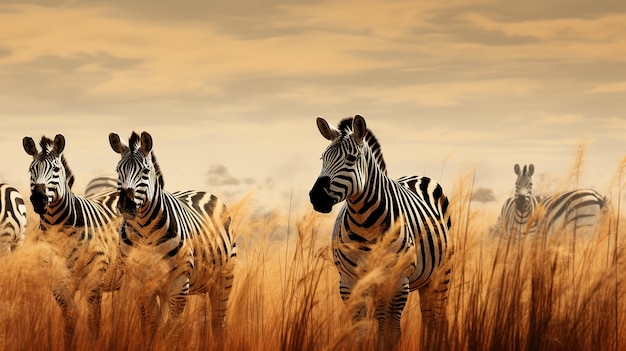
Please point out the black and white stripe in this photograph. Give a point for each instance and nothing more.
(101, 184)
(516, 217)
(375, 203)
(187, 231)
(12, 219)
(82, 229)
(572, 212)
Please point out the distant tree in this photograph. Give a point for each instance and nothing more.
(483, 195)
(218, 175)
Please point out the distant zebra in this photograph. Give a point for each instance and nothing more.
(188, 231)
(12, 219)
(516, 215)
(100, 184)
(525, 214)
(572, 212)
(353, 169)
(81, 228)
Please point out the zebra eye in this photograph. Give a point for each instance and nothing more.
(351, 158)
(145, 170)
(56, 169)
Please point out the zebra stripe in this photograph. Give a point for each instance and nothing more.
(81, 228)
(374, 204)
(525, 214)
(188, 231)
(12, 219)
(516, 215)
(100, 184)
(576, 212)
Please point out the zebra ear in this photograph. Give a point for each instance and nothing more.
(29, 146)
(329, 132)
(146, 143)
(517, 169)
(59, 144)
(359, 127)
(531, 169)
(116, 144)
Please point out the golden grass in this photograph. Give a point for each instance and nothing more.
(505, 295)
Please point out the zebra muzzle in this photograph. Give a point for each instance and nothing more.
(39, 199)
(126, 203)
(320, 197)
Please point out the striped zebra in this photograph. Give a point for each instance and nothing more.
(353, 169)
(572, 212)
(100, 184)
(12, 219)
(188, 231)
(82, 229)
(525, 214)
(516, 217)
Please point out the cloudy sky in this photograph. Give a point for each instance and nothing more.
(448, 87)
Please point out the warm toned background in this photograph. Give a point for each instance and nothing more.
(230, 89)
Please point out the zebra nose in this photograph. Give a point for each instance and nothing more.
(319, 197)
(39, 199)
(127, 194)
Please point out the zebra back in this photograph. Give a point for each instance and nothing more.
(12, 219)
(574, 211)
(101, 184)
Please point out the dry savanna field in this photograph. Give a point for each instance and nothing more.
(540, 294)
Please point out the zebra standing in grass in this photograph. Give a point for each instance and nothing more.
(82, 229)
(572, 212)
(354, 170)
(516, 216)
(187, 231)
(100, 184)
(12, 219)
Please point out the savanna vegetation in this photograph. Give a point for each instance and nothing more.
(557, 293)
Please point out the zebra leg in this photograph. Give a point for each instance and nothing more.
(218, 296)
(433, 304)
(149, 315)
(389, 328)
(64, 296)
(176, 299)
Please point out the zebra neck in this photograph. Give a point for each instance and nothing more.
(368, 213)
(61, 212)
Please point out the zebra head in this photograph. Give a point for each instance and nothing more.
(138, 173)
(523, 187)
(343, 164)
(50, 177)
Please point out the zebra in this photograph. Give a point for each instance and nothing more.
(82, 229)
(100, 184)
(574, 212)
(525, 214)
(12, 219)
(189, 232)
(516, 216)
(353, 169)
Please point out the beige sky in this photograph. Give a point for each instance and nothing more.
(448, 87)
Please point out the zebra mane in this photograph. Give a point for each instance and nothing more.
(46, 149)
(345, 127)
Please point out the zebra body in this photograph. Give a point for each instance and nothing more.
(12, 219)
(525, 214)
(187, 232)
(101, 184)
(575, 212)
(416, 206)
(81, 229)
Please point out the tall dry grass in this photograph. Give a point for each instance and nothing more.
(505, 294)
